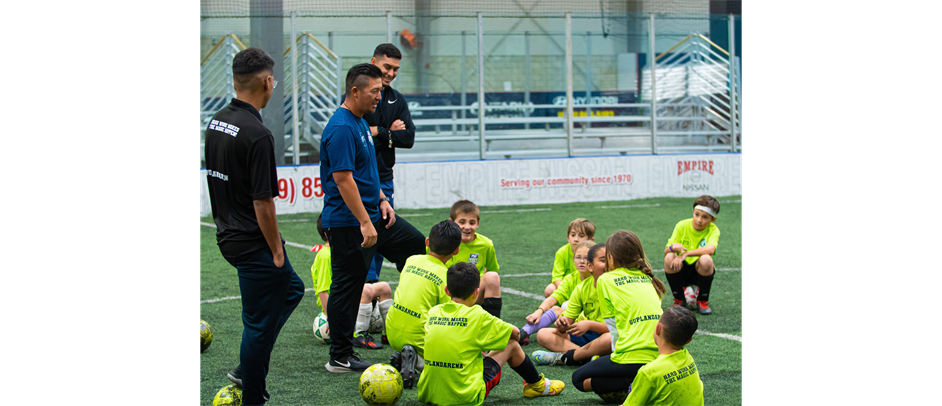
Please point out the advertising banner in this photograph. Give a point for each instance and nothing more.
(526, 181)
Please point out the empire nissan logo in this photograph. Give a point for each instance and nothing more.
(696, 169)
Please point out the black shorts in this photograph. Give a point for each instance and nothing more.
(688, 273)
(491, 374)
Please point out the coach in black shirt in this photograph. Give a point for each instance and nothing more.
(240, 170)
(391, 127)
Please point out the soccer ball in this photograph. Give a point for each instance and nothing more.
(614, 397)
(377, 324)
(690, 293)
(228, 396)
(206, 336)
(381, 384)
(320, 328)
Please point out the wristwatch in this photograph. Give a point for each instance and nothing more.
(384, 199)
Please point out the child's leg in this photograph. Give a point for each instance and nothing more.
(548, 291)
(489, 297)
(553, 340)
(383, 294)
(518, 360)
(546, 320)
(605, 376)
(705, 273)
(599, 346)
(362, 324)
(674, 277)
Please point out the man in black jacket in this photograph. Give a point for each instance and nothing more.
(391, 127)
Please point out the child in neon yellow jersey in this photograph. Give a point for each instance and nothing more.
(477, 250)
(688, 256)
(545, 315)
(579, 229)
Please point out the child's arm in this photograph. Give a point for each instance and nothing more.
(547, 304)
(584, 326)
(324, 296)
(559, 266)
(706, 250)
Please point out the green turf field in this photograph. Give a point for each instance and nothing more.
(526, 242)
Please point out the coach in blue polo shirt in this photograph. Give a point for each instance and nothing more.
(357, 216)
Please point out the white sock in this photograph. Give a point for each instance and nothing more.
(362, 325)
(383, 310)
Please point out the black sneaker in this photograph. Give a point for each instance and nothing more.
(236, 377)
(366, 341)
(350, 363)
(408, 372)
(396, 360)
(524, 338)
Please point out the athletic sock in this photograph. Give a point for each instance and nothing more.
(676, 283)
(384, 310)
(527, 370)
(704, 283)
(492, 305)
(569, 358)
(546, 320)
(362, 324)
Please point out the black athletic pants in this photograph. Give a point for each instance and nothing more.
(607, 375)
(350, 264)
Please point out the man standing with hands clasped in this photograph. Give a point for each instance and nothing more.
(357, 216)
(391, 127)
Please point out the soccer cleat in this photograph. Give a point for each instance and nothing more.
(236, 377)
(350, 363)
(678, 302)
(541, 357)
(408, 370)
(396, 360)
(366, 341)
(594, 357)
(385, 340)
(704, 307)
(543, 387)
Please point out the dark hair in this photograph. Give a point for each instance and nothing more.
(678, 325)
(355, 74)
(444, 237)
(462, 207)
(627, 252)
(708, 201)
(388, 51)
(594, 251)
(462, 279)
(320, 229)
(248, 62)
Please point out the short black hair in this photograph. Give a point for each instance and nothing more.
(355, 74)
(320, 229)
(462, 279)
(678, 325)
(388, 51)
(248, 62)
(444, 237)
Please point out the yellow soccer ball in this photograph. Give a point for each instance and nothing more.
(228, 396)
(381, 384)
(206, 336)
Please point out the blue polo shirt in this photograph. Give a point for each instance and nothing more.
(347, 145)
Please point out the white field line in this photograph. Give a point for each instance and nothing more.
(629, 205)
(508, 290)
(516, 211)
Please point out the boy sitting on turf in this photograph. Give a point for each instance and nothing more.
(672, 378)
(421, 286)
(688, 256)
(322, 274)
(579, 229)
(477, 250)
(455, 372)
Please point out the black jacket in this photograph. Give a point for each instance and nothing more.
(392, 107)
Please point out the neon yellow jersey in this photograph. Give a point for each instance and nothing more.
(628, 296)
(479, 252)
(563, 264)
(321, 274)
(670, 379)
(421, 287)
(584, 300)
(454, 367)
(564, 291)
(691, 239)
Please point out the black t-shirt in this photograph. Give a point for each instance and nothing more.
(392, 107)
(240, 168)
